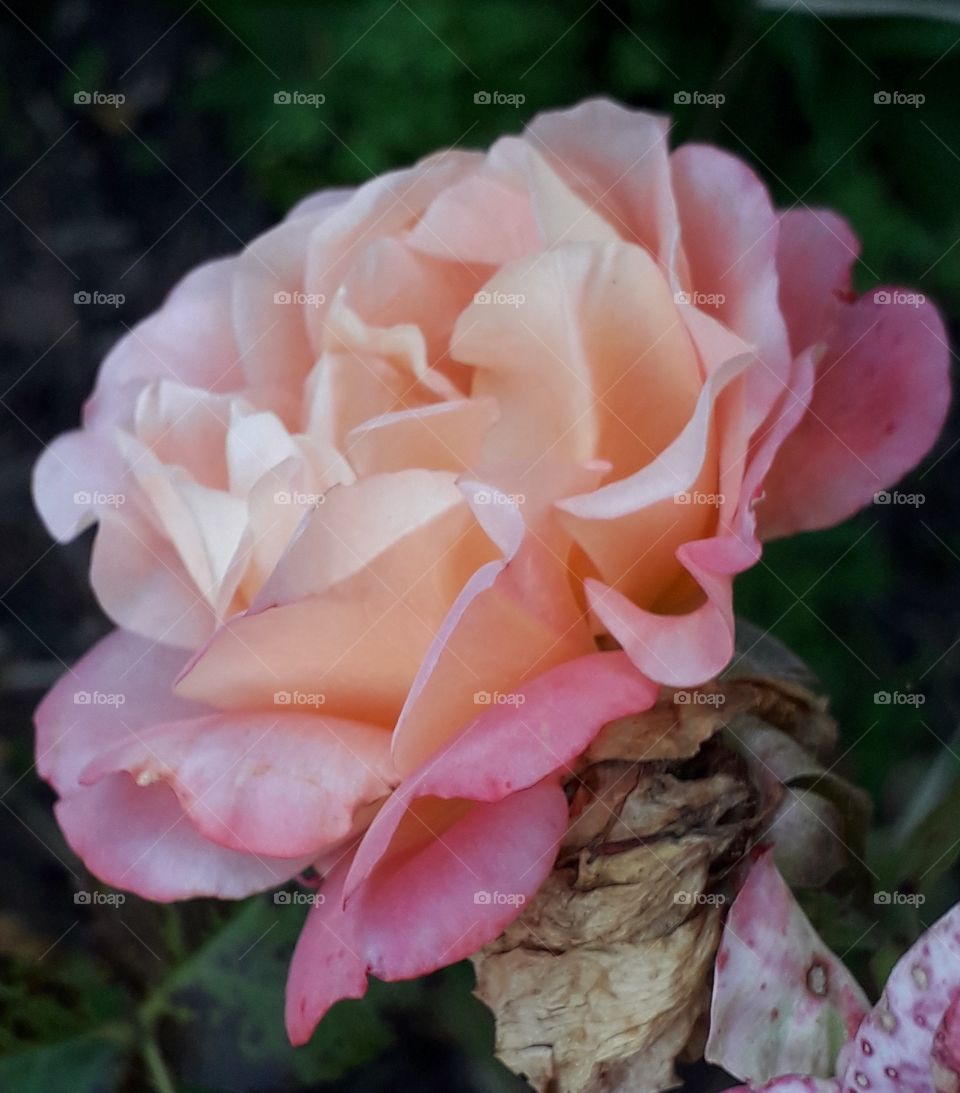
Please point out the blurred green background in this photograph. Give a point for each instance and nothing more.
(197, 160)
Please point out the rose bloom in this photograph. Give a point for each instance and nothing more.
(400, 505)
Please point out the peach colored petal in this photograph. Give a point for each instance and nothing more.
(442, 436)
(730, 232)
(616, 160)
(584, 332)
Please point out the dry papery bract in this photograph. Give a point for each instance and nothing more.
(603, 982)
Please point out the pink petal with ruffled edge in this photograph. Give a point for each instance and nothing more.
(882, 388)
(283, 784)
(130, 836)
(428, 908)
(782, 1002)
(816, 252)
(139, 839)
(551, 721)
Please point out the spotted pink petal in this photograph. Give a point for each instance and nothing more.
(792, 1083)
(782, 1002)
(892, 1048)
(946, 1049)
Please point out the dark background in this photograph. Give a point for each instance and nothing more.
(195, 162)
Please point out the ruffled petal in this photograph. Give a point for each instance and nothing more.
(879, 402)
(284, 784)
(435, 903)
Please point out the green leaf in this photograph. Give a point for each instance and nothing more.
(229, 999)
(91, 1063)
(934, 847)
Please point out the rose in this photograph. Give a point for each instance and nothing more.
(780, 998)
(500, 386)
